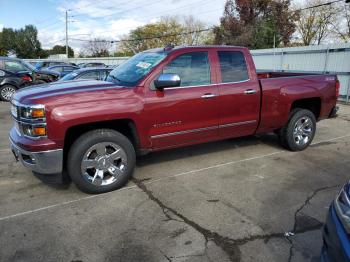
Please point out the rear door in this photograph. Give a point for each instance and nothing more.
(189, 113)
(239, 95)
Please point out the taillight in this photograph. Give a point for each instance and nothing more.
(337, 88)
(26, 78)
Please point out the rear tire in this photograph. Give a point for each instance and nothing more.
(299, 131)
(6, 92)
(100, 161)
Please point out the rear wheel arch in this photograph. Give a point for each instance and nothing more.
(312, 104)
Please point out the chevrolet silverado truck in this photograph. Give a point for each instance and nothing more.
(160, 99)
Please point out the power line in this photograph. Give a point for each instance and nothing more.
(145, 38)
(164, 13)
(319, 5)
(204, 2)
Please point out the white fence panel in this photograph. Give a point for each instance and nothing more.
(333, 59)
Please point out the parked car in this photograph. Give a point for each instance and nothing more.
(15, 70)
(87, 73)
(63, 69)
(161, 99)
(10, 82)
(336, 232)
(46, 64)
(92, 64)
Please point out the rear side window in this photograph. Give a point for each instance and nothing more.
(233, 66)
(14, 66)
(193, 68)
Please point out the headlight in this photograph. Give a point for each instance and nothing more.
(342, 207)
(30, 120)
(36, 112)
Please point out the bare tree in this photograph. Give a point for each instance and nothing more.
(98, 47)
(315, 24)
(341, 26)
(195, 32)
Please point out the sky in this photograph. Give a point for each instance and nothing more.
(106, 19)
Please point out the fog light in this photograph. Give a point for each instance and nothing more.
(34, 131)
(39, 131)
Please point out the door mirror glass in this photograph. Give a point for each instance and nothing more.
(167, 80)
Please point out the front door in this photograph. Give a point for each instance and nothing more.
(189, 113)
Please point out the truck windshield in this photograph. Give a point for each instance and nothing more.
(133, 70)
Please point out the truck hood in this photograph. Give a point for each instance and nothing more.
(59, 90)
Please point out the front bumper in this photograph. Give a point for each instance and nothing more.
(43, 162)
(336, 242)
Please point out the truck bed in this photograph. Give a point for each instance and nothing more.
(280, 89)
(274, 74)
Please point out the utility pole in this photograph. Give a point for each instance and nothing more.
(67, 33)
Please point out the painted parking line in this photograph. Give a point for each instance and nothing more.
(159, 179)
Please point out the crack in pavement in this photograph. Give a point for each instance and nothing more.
(226, 244)
(231, 246)
(297, 229)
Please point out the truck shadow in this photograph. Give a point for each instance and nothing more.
(208, 148)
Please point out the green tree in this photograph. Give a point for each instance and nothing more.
(153, 35)
(61, 49)
(23, 42)
(7, 40)
(26, 43)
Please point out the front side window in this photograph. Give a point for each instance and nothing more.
(58, 68)
(193, 68)
(14, 66)
(93, 75)
(233, 66)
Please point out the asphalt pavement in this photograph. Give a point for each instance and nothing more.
(243, 199)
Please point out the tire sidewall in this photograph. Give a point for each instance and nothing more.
(290, 129)
(87, 140)
(3, 87)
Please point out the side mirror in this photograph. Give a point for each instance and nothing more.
(167, 80)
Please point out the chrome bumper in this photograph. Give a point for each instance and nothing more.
(44, 162)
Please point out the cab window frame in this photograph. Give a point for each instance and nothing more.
(221, 80)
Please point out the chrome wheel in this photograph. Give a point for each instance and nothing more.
(303, 130)
(104, 163)
(7, 92)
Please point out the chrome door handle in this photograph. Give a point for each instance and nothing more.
(250, 91)
(206, 96)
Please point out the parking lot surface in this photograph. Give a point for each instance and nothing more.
(236, 200)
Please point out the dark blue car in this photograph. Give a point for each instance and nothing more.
(63, 69)
(87, 73)
(336, 233)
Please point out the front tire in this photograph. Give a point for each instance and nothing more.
(300, 130)
(100, 161)
(6, 92)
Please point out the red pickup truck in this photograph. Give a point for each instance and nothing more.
(160, 99)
